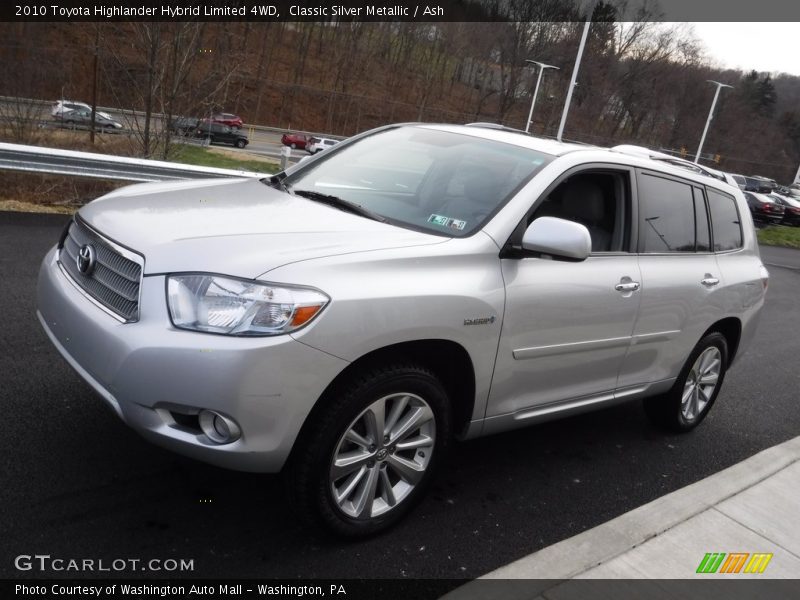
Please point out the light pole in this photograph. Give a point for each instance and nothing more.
(573, 83)
(542, 67)
(710, 116)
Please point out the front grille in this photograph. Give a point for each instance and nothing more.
(114, 282)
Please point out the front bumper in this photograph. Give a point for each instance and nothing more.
(148, 370)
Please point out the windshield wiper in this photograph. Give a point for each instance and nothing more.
(337, 202)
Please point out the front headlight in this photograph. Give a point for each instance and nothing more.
(217, 304)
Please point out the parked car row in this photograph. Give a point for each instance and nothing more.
(770, 203)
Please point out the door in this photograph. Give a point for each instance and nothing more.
(567, 325)
(681, 281)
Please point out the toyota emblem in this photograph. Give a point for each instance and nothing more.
(86, 259)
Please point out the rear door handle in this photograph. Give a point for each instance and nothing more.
(709, 281)
(630, 286)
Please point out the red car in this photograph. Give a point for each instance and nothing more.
(231, 120)
(295, 140)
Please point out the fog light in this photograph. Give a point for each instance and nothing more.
(219, 428)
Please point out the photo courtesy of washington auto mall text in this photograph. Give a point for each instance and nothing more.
(175, 590)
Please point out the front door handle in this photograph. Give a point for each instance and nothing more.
(630, 286)
(709, 281)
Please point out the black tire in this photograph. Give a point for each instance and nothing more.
(667, 410)
(240, 143)
(293, 146)
(309, 468)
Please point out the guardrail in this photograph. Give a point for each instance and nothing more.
(16, 157)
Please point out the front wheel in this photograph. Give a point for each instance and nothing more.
(689, 401)
(241, 143)
(367, 459)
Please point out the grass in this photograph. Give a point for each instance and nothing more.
(224, 159)
(780, 235)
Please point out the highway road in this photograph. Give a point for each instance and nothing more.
(78, 483)
(263, 141)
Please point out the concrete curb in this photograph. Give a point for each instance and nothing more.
(591, 548)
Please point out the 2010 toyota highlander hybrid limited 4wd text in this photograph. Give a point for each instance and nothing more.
(343, 321)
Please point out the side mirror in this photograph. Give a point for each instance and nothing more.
(559, 237)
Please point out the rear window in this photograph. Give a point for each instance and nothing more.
(725, 221)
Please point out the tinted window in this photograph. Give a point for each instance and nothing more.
(724, 221)
(667, 215)
(701, 222)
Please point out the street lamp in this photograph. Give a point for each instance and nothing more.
(542, 67)
(573, 81)
(710, 116)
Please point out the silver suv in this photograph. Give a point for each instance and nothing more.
(345, 320)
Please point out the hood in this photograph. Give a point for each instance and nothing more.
(238, 227)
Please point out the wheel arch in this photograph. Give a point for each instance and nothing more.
(447, 359)
(731, 328)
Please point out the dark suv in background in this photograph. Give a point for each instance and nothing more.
(221, 134)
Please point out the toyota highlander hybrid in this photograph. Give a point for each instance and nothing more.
(345, 320)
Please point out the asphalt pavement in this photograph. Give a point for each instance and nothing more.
(78, 483)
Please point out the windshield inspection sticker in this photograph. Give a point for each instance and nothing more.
(447, 222)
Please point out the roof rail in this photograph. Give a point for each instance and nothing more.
(498, 126)
(668, 158)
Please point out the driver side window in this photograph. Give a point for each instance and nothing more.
(599, 200)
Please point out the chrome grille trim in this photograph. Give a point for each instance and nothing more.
(115, 282)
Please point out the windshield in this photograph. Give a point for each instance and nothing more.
(436, 181)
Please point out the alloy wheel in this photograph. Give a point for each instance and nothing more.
(701, 381)
(382, 455)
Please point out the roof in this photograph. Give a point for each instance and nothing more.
(658, 160)
(488, 131)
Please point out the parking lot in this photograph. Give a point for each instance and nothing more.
(79, 483)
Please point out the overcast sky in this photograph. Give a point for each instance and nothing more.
(773, 47)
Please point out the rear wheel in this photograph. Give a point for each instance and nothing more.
(293, 146)
(688, 402)
(365, 461)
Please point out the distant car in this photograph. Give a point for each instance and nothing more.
(221, 134)
(295, 140)
(229, 119)
(740, 180)
(316, 144)
(184, 125)
(83, 117)
(63, 107)
(764, 208)
(766, 185)
(791, 208)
